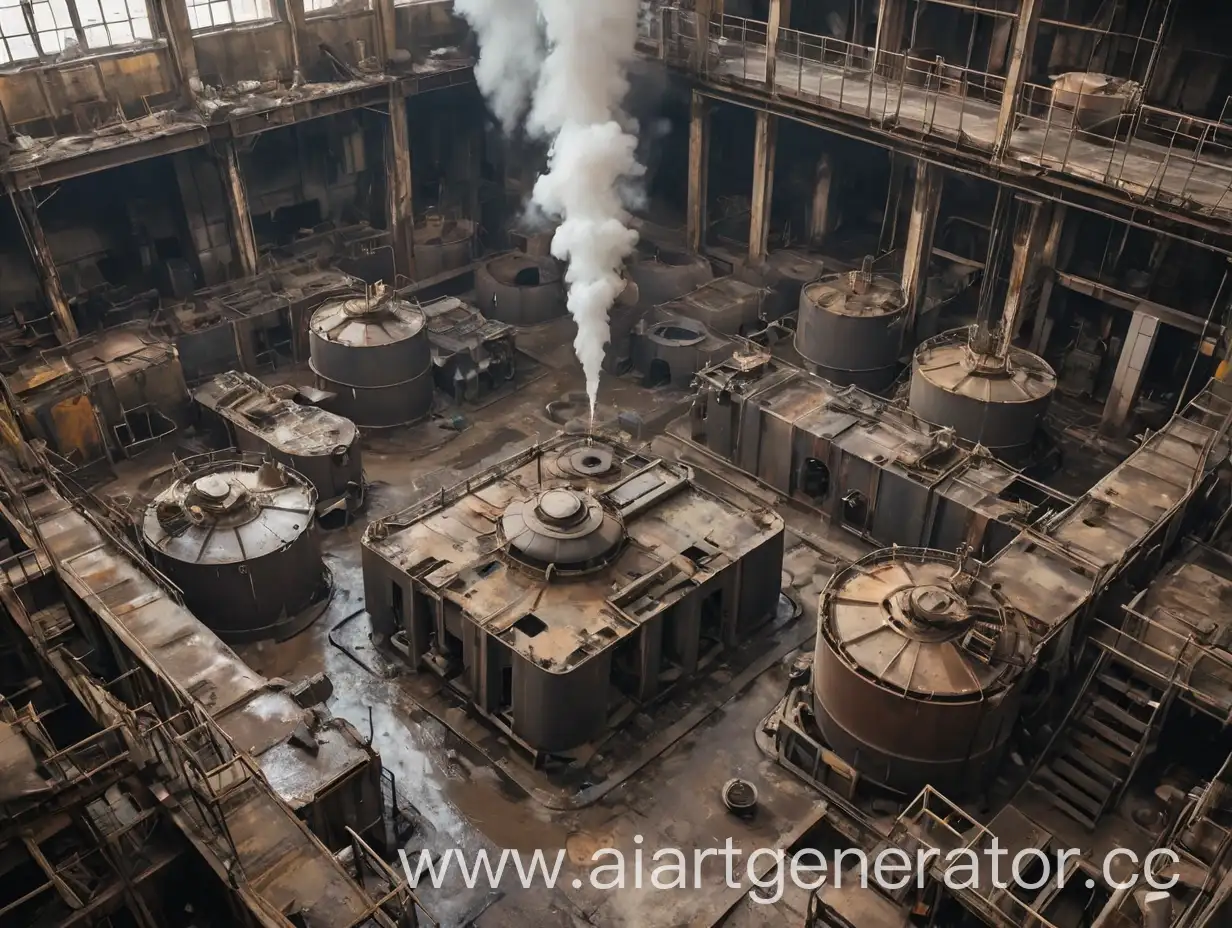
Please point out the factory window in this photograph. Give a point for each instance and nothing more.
(32, 29)
(324, 7)
(215, 14)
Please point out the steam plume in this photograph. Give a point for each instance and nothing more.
(512, 50)
(582, 82)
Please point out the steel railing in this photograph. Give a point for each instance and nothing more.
(1151, 153)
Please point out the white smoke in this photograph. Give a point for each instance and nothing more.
(512, 49)
(582, 82)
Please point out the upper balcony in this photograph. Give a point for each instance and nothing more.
(1071, 132)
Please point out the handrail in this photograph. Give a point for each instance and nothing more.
(1150, 152)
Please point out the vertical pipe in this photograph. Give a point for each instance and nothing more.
(981, 341)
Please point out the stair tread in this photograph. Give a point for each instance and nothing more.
(1114, 738)
(1112, 755)
(1098, 789)
(1072, 793)
(1108, 707)
(1086, 761)
(1076, 814)
(1142, 694)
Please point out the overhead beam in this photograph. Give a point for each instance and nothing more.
(765, 140)
(26, 205)
(1015, 76)
(699, 165)
(400, 209)
(243, 239)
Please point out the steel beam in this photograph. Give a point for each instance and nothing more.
(401, 215)
(243, 238)
(765, 137)
(699, 167)
(26, 206)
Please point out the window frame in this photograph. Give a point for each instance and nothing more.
(43, 56)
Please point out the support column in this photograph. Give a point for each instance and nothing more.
(401, 214)
(765, 137)
(925, 199)
(174, 14)
(1020, 60)
(1048, 268)
(891, 15)
(26, 207)
(243, 238)
(386, 31)
(703, 10)
(699, 167)
(779, 17)
(1135, 354)
(1027, 234)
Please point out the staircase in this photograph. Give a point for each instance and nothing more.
(1114, 725)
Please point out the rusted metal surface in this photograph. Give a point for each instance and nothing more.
(471, 354)
(918, 670)
(520, 289)
(237, 205)
(548, 566)
(174, 644)
(874, 469)
(238, 538)
(320, 446)
(401, 210)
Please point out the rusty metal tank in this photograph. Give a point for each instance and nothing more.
(999, 404)
(918, 671)
(373, 353)
(442, 245)
(849, 328)
(238, 538)
(521, 289)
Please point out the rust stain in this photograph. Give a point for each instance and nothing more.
(76, 428)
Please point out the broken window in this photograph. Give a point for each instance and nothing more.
(215, 14)
(32, 29)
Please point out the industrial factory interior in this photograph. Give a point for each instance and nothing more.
(705, 434)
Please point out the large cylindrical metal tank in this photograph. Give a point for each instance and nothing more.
(849, 328)
(238, 539)
(998, 404)
(662, 274)
(373, 353)
(520, 289)
(918, 671)
(442, 245)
